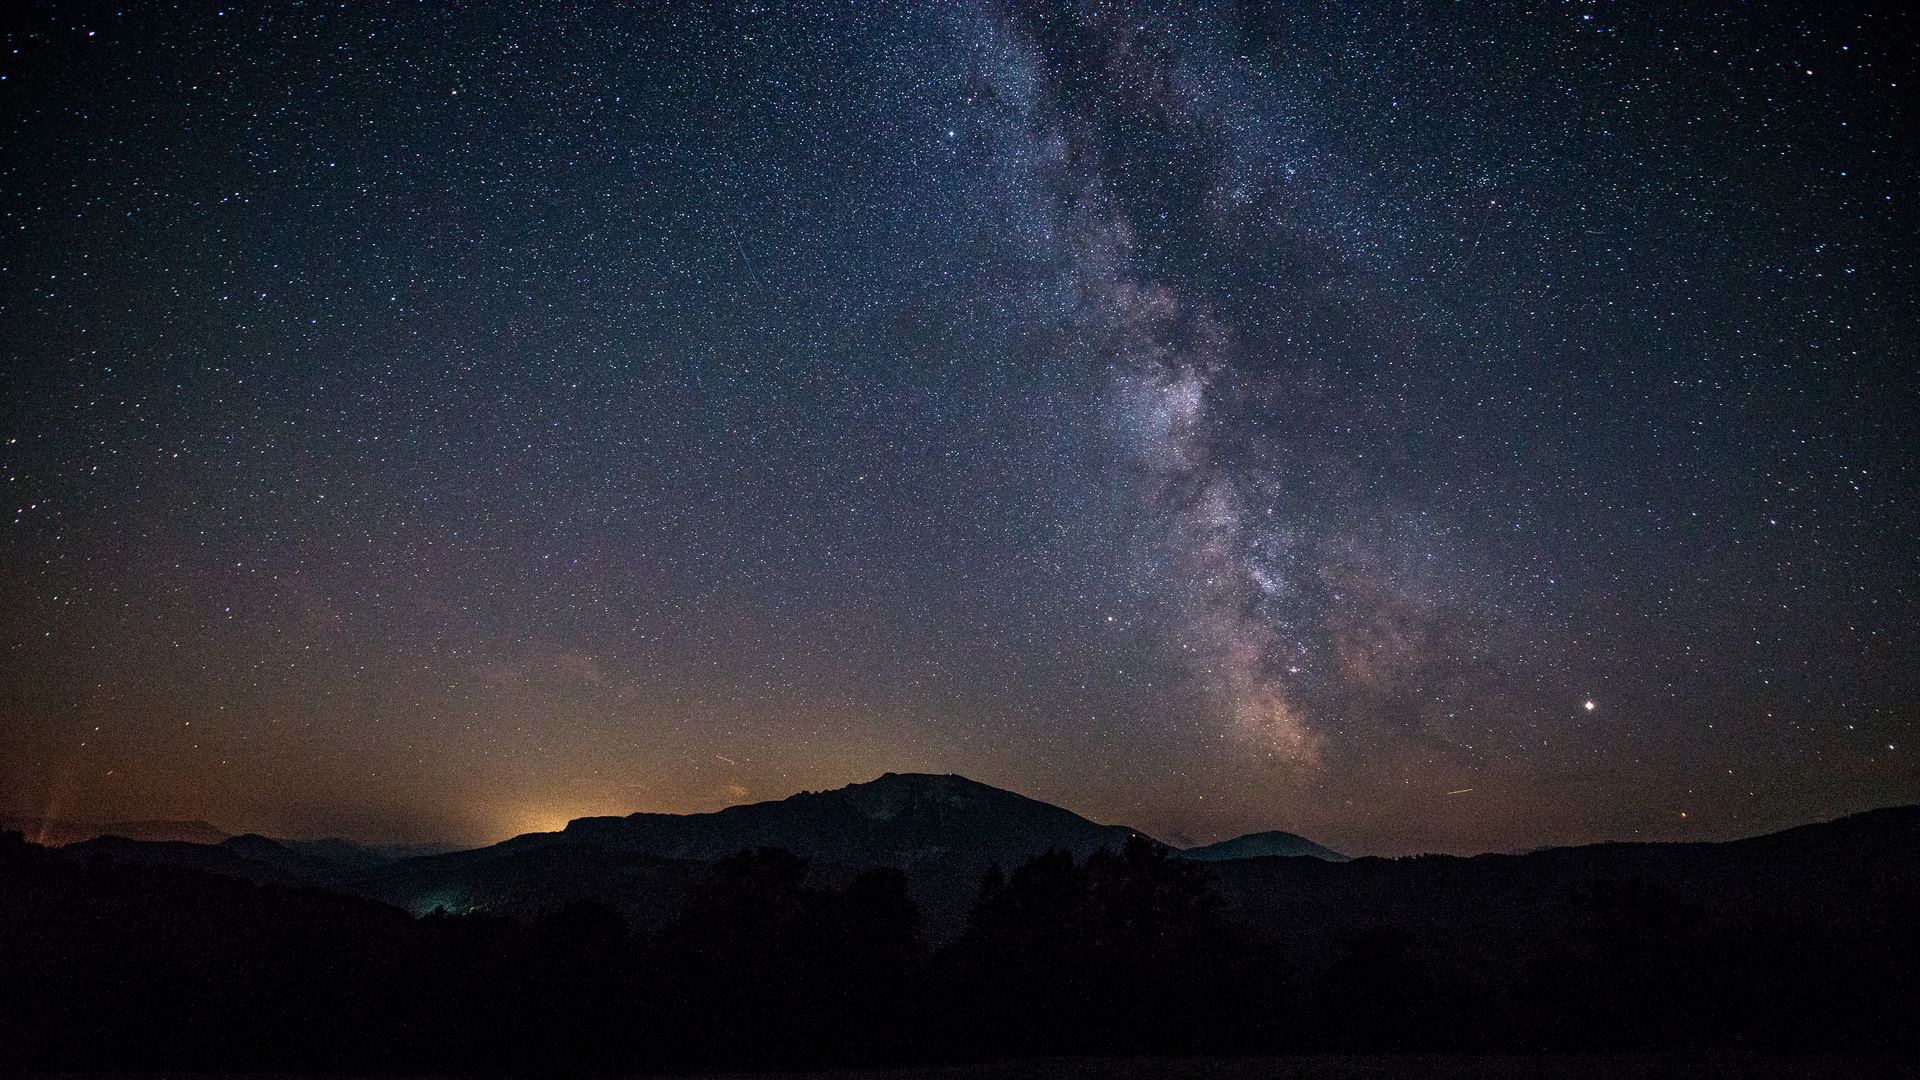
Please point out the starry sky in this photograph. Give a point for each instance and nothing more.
(1420, 427)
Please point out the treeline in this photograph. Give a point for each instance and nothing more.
(106, 966)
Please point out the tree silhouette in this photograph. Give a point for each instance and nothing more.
(1127, 952)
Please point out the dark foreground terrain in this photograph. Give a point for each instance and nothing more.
(1792, 955)
(1703, 1066)
(1406, 1067)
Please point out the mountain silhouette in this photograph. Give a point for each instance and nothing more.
(260, 859)
(945, 832)
(55, 832)
(901, 819)
(1261, 844)
(247, 860)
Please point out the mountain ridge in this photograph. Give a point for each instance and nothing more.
(57, 832)
(897, 819)
(945, 831)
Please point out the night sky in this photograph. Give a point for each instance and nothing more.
(426, 424)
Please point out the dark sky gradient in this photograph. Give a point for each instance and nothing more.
(437, 424)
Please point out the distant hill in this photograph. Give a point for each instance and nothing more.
(54, 832)
(1257, 845)
(241, 860)
(259, 859)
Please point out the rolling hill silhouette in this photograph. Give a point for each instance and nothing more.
(1257, 845)
(54, 831)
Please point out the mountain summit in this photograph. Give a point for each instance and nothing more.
(901, 819)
